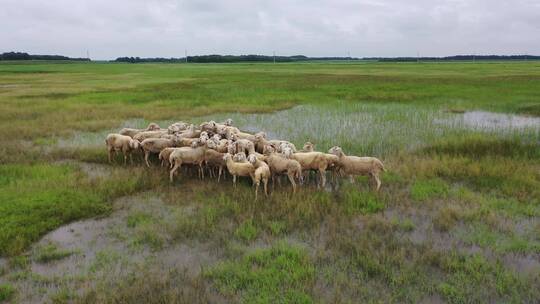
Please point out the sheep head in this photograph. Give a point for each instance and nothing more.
(252, 159)
(228, 122)
(308, 146)
(287, 152)
(269, 149)
(153, 127)
(227, 156)
(259, 136)
(211, 144)
(231, 147)
(239, 157)
(336, 150)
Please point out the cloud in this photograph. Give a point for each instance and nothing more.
(109, 29)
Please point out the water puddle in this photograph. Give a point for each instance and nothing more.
(489, 121)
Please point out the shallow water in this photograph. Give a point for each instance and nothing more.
(366, 129)
(482, 120)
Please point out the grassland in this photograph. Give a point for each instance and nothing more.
(457, 220)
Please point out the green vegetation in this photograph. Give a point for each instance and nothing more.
(51, 252)
(6, 292)
(281, 274)
(456, 220)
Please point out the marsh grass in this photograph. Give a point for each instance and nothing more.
(280, 274)
(451, 187)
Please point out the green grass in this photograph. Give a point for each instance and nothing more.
(50, 252)
(449, 184)
(280, 274)
(6, 292)
(38, 198)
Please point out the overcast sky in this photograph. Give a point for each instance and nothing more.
(166, 28)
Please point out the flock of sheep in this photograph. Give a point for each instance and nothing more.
(215, 146)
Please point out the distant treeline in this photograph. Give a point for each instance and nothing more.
(455, 58)
(298, 58)
(231, 58)
(26, 56)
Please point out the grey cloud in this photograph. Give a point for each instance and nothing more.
(317, 28)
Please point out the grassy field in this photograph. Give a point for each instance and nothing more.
(457, 219)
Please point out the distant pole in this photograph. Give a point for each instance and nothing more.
(349, 56)
(87, 54)
(185, 51)
(274, 54)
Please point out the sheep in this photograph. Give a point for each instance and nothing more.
(187, 155)
(261, 141)
(354, 165)
(240, 157)
(238, 169)
(209, 126)
(124, 143)
(177, 127)
(228, 122)
(262, 173)
(213, 159)
(310, 161)
(149, 134)
(220, 145)
(308, 147)
(190, 132)
(164, 156)
(280, 165)
(132, 132)
(244, 145)
(155, 145)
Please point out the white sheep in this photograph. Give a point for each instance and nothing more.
(132, 132)
(214, 159)
(193, 155)
(279, 164)
(261, 142)
(310, 161)
(240, 157)
(124, 143)
(262, 173)
(238, 169)
(149, 134)
(177, 127)
(354, 165)
(308, 147)
(155, 145)
(244, 145)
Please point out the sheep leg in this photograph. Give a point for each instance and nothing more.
(111, 152)
(256, 189)
(351, 179)
(219, 173)
(234, 181)
(265, 183)
(131, 157)
(377, 181)
(146, 154)
(322, 172)
(291, 179)
(177, 165)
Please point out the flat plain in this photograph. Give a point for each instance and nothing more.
(457, 219)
